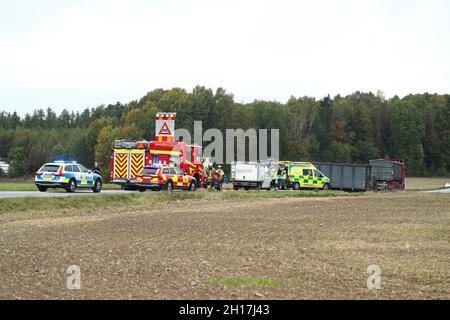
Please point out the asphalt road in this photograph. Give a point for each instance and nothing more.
(54, 193)
(446, 190)
(62, 193)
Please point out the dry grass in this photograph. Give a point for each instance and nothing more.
(293, 248)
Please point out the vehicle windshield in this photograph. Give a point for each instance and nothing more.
(50, 168)
(150, 170)
(83, 168)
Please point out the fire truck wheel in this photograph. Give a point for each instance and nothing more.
(42, 189)
(296, 186)
(169, 186)
(192, 186)
(72, 186)
(142, 189)
(197, 181)
(326, 186)
(97, 186)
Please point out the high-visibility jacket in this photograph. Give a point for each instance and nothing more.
(283, 175)
(274, 175)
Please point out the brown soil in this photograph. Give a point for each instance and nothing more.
(290, 248)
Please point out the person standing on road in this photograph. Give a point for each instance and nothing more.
(283, 179)
(273, 175)
(280, 179)
(220, 171)
(96, 168)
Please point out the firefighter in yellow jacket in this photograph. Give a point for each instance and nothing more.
(220, 171)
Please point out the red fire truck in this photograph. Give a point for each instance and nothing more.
(128, 158)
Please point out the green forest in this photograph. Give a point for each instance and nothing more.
(351, 129)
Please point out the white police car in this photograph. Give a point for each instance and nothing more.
(67, 175)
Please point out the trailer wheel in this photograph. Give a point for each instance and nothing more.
(296, 186)
(326, 186)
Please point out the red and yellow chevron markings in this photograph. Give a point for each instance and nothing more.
(137, 164)
(120, 168)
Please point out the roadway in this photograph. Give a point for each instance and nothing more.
(446, 190)
(62, 193)
(54, 193)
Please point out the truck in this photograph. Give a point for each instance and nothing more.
(252, 175)
(129, 157)
(388, 174)
(378, 174)
(346, 176)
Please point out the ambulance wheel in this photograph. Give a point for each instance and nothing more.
(296, 186)
(326, 186)
(142, 189)
(192, 186)
(42, 189)
(97, 186)
(169, 186)
(72, 186)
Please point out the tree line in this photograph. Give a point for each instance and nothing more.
(352, 128)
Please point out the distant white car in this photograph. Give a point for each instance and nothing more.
(4, 166)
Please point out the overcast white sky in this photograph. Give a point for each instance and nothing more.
(77, 54)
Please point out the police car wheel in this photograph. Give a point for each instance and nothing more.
(169, 186)
(72, 186)
(42, 189)
(296, 186)
(97, 186)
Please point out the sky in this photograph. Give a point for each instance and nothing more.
(78, 54)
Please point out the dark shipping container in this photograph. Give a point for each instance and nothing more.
(346, 176)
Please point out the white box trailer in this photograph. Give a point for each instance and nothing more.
(255, 175)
